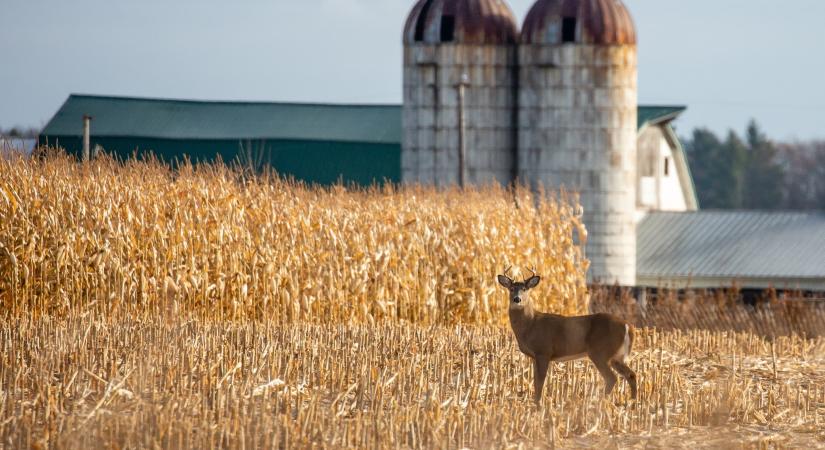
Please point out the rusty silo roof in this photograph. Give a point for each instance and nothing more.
(461, 21)
(605, 22)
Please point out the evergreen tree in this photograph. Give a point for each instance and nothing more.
(700, 149)
(732, 161)
(764, 176)
(717, 168)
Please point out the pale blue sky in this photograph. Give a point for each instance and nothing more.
(728, 60)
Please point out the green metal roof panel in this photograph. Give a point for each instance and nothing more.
(211, 120)
(180, 119)
(658, 114)
(732, 245)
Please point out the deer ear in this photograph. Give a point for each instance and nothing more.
(533, 282)
(504, 281)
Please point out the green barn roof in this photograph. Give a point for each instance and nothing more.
(654, 115)
(186, 119)
(217, 120)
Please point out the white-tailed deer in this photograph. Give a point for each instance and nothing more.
(605, 339)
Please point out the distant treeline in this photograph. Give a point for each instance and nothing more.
(18, 132)
(754, 172)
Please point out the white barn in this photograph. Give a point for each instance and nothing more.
(664, 179)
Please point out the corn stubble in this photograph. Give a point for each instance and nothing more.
(146, 308)
(193, 384)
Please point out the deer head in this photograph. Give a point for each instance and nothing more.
(519, 290)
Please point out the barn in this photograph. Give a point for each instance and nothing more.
(311, 142)
(315, 143)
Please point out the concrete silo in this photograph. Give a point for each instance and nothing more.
(577, 120)
(459, 92)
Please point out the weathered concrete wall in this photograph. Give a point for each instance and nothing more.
(430, 146)
(577, 129)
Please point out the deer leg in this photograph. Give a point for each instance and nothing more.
(540, 373)
(607, 373)
(627, 373)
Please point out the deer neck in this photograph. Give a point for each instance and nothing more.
(521, 319)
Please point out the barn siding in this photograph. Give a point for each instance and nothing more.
(322, 162)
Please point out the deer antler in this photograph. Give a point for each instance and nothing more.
(506, 272)
(533, 270)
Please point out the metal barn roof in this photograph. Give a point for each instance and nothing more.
(754, 249)
(215, 120)
(187, 119)
(654, 115)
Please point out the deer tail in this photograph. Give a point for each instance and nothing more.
(629, 332)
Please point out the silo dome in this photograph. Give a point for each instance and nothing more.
(459, 115)
(475, 22)
(601, 22)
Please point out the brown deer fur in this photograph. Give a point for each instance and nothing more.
(605, 339)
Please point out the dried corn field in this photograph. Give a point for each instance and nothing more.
(138, 238)
(82, 383)
(717, 311)
(199, 308)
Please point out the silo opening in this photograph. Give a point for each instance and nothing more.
(568, 29)
(421, 24)
(447, 28)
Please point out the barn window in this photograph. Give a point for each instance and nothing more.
(667, 166)
(421, 25)
(447, 28)
(568, 29)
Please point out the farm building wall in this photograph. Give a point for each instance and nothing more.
(321, 162)
(660, 186)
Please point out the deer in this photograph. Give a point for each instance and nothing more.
(605, 339)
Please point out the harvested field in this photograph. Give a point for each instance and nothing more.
(202, 308)
(82, 383)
